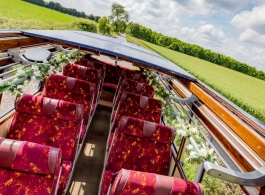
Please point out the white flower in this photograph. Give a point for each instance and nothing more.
(193, 154)
(50, 71)
(1, 81)
(189, 147)
(181, 132)
(211, 150)
(33, 78)
(20, 86)
(194, 130)
(203, 152)
(62, 64)
(20, 71)
(37, 73)
(45, 61)
(35, 67)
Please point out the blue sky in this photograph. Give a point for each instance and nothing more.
(232, 27)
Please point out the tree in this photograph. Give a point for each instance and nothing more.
(103, 25)
(118, 17)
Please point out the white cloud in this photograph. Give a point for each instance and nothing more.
(252, 36)
(254, 19)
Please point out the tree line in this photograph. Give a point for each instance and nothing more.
(58, 7)
(146, 34)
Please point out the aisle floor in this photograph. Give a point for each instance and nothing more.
(89, 165)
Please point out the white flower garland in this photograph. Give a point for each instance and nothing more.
(178, 121)
(38, 72)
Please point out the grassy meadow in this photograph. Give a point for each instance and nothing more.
(18, 14)
(245, 91)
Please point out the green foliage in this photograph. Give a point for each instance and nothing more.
(17, 14)
(245, 91)
(118, 18)
(58, 7)
(147, 34)
(103, 25)
(85, 25)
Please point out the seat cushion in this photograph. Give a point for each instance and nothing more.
(105, 182)
(66, 171)
(152, 184)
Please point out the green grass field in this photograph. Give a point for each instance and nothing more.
(17, 14)
(245, 91)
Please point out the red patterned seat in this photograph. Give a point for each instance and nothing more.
(93, 63)
(133, 87)
(139, 145)
(141, 107)
(152, 184)
(139, 101)
(50, 122)
(28, 168)
(135, 75)
(47, 121)
(71, 90)
(112, 76)
(84, 73)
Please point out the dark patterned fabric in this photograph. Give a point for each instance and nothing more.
(150, 183)
(66, 170)
(60, 130)
(113, 74)
(105, 183)
(84, 73)
(132, 149)
(93, 63)
(82, 92)
(135, 75)
(134, 100)
(132, 86)
(29, 172)
(135, 112)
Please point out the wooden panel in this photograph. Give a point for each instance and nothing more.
(5, 62)
(229, 147)
(10, 34)
(19, 42)
(243, 131)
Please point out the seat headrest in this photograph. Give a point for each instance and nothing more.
(141, 128)
(37, 105)
(29, 157)
(150, 183)
(65, 83)
(132, 85)
(136, 100)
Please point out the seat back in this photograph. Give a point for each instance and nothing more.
(135, 75)
(152, 184)
(133, 87)
(136, 106)
(28, 168)
(93, 63)
(140, 145)
(47, 121)
(113, 74)
(72, 90)
(84, 73)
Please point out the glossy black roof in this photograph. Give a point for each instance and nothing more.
(112, 46)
